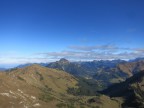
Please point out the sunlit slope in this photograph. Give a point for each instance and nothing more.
(39, 87)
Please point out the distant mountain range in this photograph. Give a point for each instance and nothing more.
(29, 64)
(2, 69)
(105, 71)
(86, 69)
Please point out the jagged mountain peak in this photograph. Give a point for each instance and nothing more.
(63, 60)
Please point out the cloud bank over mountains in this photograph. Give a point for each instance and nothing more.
(76, 53)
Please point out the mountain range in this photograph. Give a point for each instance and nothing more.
(65, 84)
(105, 71)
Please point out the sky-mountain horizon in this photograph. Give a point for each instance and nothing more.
(33, 31)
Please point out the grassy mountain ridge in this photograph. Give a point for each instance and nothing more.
(34, 84)
(40, 87)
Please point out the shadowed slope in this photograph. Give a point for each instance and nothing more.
(132, 90)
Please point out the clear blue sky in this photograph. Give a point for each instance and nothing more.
(46, 30)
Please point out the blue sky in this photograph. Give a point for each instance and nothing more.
(46, 30)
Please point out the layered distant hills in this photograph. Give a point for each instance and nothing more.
(2, 69)
(105, 71)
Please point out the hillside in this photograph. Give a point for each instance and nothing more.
(40, 87)
(132, 91)
(131, 68)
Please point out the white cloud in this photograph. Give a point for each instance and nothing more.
(100, 48)
(75, 53)
(139, 50)
(92, 55)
